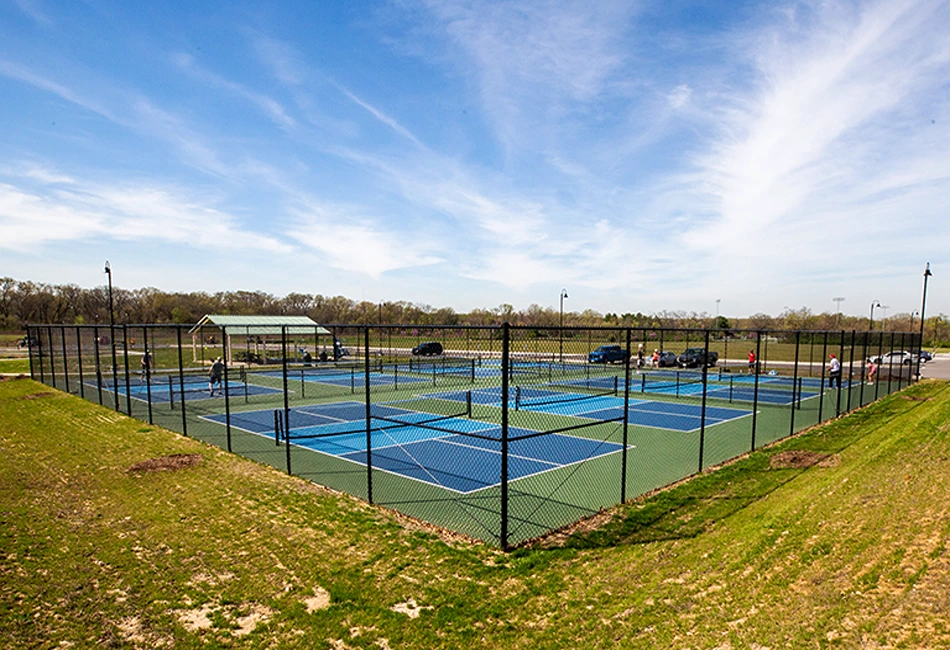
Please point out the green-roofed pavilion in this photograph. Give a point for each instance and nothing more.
(256, 331)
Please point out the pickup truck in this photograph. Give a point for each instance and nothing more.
(697, 357)
(608, 354)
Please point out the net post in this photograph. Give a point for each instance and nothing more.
(368, 414)
(181, 381)
(468, 403)
(505, 363)
(643, 379)
(303, 390)
(517, 397)
(732, 384)
(702, 421)
(473, 370)
(277, 427)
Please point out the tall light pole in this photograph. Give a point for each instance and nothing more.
(923, 305)
(561, 329)
(115, 373)
(874, 304)
(838, 310)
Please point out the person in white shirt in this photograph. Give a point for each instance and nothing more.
(834, 372)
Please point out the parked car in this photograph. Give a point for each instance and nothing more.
(697, 357)
(926, 356)
(894, 358)
(608, 354)
(27, 342)
(427, 349)
(667, 359)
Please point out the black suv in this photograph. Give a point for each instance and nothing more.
(697, 357)
(430, 348)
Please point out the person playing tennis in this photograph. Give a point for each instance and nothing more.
(214, 376)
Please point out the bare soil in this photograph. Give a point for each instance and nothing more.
(796, 459)
(167, 463)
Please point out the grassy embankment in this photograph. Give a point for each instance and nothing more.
(849, 552)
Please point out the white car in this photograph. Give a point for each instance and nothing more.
(894, 358)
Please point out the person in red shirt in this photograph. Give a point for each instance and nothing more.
(751, 361)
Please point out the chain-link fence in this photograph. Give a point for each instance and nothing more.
(501, 433)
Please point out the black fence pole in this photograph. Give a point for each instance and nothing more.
(181, 383)
(626, 422)
(795, 396)
(52, 362)
(755, 384)
(95, 333)
(125, 358)
(840, 372)
(505, 365)
(147, 361)
(702, 421)
(82, 387)
(851, 369)
(227, 387)
(283, 366)
(368, 414)
(821, 393)
(62, 332)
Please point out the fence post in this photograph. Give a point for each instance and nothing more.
(795, 397)
(505, 363)
(125, 358)
(52, 363)
(227, 386)
(181, 383)
(283, 367)
(62, 340)
(369, 415)
(851, 368)
(95, 333)
(82, 387)
(148, 361)
(626, 421)
(755, 386)
(702, 420)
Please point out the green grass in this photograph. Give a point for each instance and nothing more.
(10, 366)
(849, 554)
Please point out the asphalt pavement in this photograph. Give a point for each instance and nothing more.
(939, 368)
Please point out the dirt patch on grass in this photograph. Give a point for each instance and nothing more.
(40, 395)
(912, 398)
(797, 458)
(168, 463)
(4, 378)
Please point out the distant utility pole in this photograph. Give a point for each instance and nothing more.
(838, 310)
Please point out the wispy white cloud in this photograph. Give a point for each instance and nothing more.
(60, 208)
(347, 240)
(35, 10)
(269, 106)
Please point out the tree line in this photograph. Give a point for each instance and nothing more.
(23, 301)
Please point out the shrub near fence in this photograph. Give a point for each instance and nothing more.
(508, 434)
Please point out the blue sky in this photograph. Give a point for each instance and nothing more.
(646, 156)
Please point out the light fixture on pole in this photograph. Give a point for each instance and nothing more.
(561, 328)
(913, 314)
(108, 271)
(874, 304)
(923, 305)
(838, 310)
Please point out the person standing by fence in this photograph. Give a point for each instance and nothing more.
(752, 361)
(834, 372)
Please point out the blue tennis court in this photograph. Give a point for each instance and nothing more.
(162, 391)
(645, 413)
(441, 451)
(344, 378)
